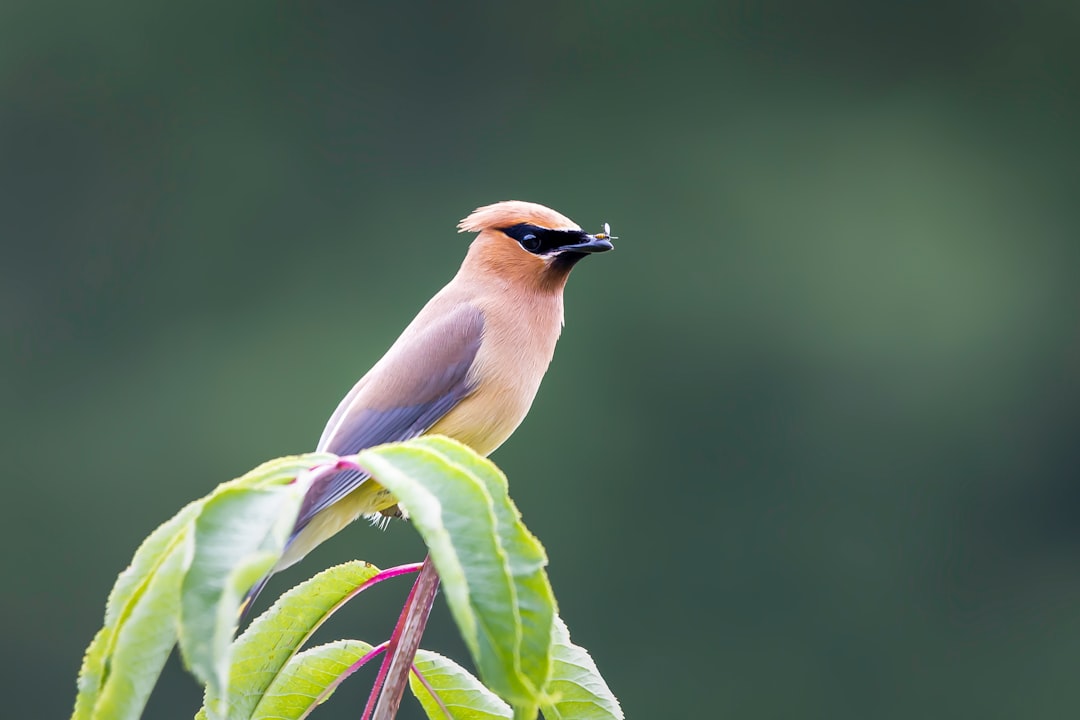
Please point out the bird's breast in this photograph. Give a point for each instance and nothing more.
(517, 347)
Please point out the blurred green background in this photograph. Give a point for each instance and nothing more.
(809, 444)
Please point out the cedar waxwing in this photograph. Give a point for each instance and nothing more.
(468, 366)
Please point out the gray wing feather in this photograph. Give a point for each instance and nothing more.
(449, 349)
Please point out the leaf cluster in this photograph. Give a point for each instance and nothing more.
(186, 582)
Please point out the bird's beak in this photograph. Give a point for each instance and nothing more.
(595, 244)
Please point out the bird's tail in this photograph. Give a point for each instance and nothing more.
(245, 606)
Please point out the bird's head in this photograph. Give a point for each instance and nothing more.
(530, 241)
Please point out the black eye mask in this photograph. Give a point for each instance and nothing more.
(542, 241)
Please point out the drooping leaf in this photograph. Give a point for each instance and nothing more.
(525, 557)
(262, 651)
(279, 471)
(576, 690)
(306, 677)
(127, 655)
(239, 535)
(490, 566)
(461, 693)
(142, 613)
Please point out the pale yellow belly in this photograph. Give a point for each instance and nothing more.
(482, 421)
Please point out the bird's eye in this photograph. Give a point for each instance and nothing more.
(530, 242)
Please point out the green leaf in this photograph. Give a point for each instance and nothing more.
(303, 680)
(126, 656)
(186, 581)
(239, 536)
(261, 652)
(576, 689)
(491, 567)
(462, 694)
(526, 560)
(142, 613)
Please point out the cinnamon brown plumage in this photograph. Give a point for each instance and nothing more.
(468, 366)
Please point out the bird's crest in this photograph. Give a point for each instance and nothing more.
(514, 212)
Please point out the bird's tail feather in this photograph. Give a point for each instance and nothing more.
(249, 599)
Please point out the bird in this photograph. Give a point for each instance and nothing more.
(468, 366)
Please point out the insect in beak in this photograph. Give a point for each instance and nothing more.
(606, 234)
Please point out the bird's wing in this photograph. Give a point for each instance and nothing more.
(423, 378)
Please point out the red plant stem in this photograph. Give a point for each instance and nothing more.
(386, 574)
(404, 642)
(391, 644)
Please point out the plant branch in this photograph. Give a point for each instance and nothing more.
(406, 640)
(391, 646)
